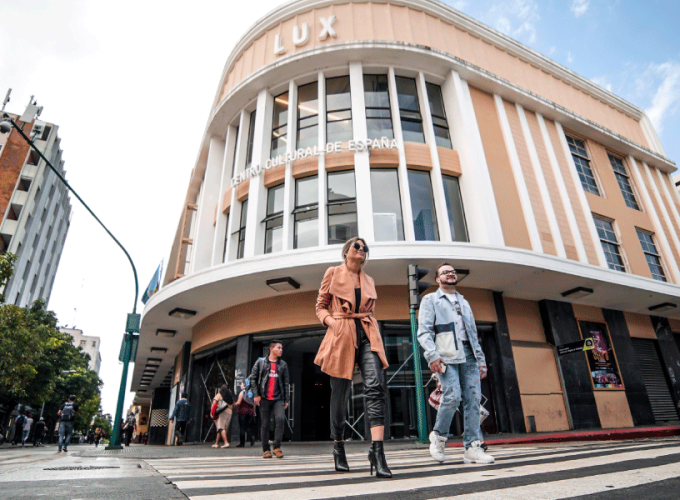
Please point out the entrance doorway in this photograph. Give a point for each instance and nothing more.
(309, 412)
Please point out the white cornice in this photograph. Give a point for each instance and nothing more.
(452, 16)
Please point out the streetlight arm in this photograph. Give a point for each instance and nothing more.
(49, 164)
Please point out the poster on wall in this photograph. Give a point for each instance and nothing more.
(603, 367)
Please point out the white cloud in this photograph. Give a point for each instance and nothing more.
(602, 82)
(580, 7)
(666, 100)
(516, 18)
(459, 5)
(570, 58)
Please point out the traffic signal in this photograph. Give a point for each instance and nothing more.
(415, 286)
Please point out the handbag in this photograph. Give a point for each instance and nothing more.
(221, 406)
(435, 401)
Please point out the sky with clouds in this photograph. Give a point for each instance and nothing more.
(130, 85)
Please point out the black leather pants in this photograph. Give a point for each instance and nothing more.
(374, 391)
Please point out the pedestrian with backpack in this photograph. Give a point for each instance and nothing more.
(246, 414)
(67, 414)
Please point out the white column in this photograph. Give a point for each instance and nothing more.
(205, 231)
(289, 182)
(257, 193)
(483, 222)
(323, 178)
(588, 216)
(520, 182)
(669, 198)
(220, 238)
(362, 165)
(542, 185)
(564, 196)
(402, 170)
(438, 195)
(660, 234)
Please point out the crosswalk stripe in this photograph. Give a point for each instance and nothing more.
(359, 483)
(569, 488)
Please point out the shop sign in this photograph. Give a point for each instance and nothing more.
(578, 346)
(357, 145)
(603, 367)
(301, 34)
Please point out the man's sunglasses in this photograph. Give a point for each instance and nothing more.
(448, 273)
(358, 246)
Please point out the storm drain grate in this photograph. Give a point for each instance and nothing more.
(89, 467)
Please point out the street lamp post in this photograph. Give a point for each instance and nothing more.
(128, 349)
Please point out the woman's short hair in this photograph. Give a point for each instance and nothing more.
(348, 244)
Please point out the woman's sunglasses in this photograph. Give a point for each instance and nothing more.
(358, 246)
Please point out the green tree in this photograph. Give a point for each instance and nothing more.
(6, 269)
(100, 421)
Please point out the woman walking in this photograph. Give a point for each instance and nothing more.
(246, 416)
(345, 305)
(224, 418)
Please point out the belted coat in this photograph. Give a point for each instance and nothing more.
(337, 351)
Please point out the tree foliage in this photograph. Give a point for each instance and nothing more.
(6, 269)
(40, 365)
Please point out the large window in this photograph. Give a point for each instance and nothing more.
(422, 206)
(241, 240)
(624, 181)
(306, 212)
(388, 224)
(651, 255)
(610, 244)
(454, 206)
(441, 125)
(377, 102)
(251, 138)
(338, 110)
(409, 110)
(582, 162)
(280, 125)
(308, 116)
(273, 232)
(342, 207)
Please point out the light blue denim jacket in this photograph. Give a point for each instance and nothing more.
(437, 309)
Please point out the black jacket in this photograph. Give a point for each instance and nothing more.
(260, 376)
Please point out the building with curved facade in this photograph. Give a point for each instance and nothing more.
(434, 138)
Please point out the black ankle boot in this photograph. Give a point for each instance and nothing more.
(339, 456)
(376, 456)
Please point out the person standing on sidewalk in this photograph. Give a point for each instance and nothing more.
(39, 432)
(28, 423)
(448, 335)
(246, 415)
(181, 414)
(67, 414)
(18, 429)
(271, 390)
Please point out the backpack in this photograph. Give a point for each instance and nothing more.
(248, 395)
(68, 413)
(19, 422)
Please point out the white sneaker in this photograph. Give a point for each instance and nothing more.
(437, 444)
(475, 454)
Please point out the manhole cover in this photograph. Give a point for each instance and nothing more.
(89, 467)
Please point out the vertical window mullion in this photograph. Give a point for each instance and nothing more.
(409, 110)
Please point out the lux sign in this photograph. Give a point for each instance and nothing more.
(301, 35)
(331, 147)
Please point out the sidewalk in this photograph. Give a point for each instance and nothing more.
(137, 451)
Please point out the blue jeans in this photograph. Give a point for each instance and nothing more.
(25, 436)
(465, 376)
(65, 431)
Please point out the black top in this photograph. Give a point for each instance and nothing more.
(361, 334)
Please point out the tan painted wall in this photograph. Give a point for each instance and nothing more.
(515, 233)
(418, 156)
(449, 161)
(588, 313)
(675, 325)
(613, 409)
(274, 176)
(582, 217)
(551, 183)
(297, 310)
(524, 320)
(379, 21)
(540, 388)
(530, 179)
(640, 326)
(612, 205)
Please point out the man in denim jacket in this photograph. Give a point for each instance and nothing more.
(447, 333)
